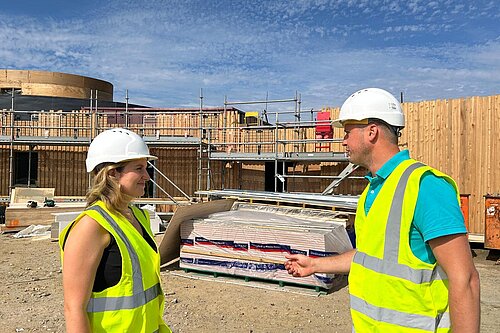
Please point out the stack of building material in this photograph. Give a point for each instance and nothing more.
(253, 243)
(61, 220)
(27, 207)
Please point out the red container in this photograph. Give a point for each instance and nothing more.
(323, 125)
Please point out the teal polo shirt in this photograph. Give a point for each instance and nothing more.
(437, 211)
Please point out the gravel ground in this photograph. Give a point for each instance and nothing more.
(32, 298)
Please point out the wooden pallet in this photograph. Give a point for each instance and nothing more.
(257, 282)
(280, 286)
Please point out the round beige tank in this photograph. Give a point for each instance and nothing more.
(54, 84)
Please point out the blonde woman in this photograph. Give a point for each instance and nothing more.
(111, 263)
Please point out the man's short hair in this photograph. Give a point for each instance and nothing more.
(394, 131)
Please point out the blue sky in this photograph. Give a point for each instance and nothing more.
(164, 51)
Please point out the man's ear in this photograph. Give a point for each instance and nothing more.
(373, 132)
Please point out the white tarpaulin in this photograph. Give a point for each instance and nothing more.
(34, 230)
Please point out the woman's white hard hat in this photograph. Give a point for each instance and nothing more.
(116, 145)
(371, 103)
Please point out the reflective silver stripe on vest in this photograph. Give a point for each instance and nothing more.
(393, 228)
(443, 321)
(398, 270)
(409, 320)
(125, 302)
(139, 296)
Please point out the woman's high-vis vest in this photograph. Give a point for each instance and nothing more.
(391, 289)
(136, 303)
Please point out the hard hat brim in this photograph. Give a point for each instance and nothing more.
(91, 164)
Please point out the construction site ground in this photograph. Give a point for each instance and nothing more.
(32, 297)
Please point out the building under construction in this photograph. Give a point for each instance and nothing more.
(47, 121)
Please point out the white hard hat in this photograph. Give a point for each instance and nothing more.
(116, 145)
(371, 103)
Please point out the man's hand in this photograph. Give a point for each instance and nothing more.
(299, 265)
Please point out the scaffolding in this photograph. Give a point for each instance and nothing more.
(281, 143)
(220, 134)
(28, 129)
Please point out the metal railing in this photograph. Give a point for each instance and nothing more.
(44, 126)
(219, 134)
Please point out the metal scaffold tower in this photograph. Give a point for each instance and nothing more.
(283, 143)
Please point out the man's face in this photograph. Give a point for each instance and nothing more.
(356, 144)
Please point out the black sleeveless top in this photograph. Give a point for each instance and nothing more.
(109, 270)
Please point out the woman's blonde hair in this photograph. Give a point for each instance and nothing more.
(106, 188)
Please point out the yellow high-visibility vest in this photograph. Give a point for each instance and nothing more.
(137, 302)
(391, 290)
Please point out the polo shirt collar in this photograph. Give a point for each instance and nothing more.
(389, 166)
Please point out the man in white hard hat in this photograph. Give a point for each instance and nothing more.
(412, 268)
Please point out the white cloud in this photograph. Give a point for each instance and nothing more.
(164, 52)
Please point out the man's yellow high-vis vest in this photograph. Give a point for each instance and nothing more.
(136, 303)
(391, 289)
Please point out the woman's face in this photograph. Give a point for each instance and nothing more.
(133, 177)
